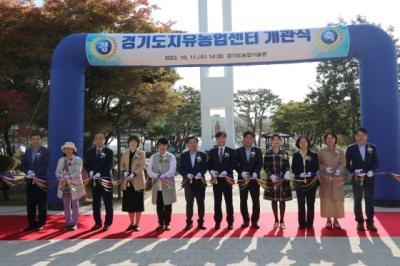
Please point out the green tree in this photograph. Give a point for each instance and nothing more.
(182, 122)
(255, 106)
(124, 96)
(336, 96)
(297, 119)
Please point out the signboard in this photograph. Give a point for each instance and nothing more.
(189, 49)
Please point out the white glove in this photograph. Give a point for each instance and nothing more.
(31, 173)
(126, 173)
(97, 175)
(329, 170)
(309, 174)
(245, 174)
(223, 174)
(337, 172)
(287, 175)
(162, 176)
(66, 177)
(274, 178)
(198, 176)
(358, 171)
(189, 176)
(370, 173)
(91, 173)
(303, 175)
(131, 176)
(213, 173)
(254, 176)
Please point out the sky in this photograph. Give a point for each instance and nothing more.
(289, 81)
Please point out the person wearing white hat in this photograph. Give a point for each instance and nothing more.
(70, 186)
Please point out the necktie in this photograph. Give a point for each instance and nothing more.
(221, 154)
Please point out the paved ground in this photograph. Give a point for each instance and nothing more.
(213, 251)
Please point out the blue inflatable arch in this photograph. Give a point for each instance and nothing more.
(372, 47)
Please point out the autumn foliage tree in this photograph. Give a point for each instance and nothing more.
(128, 97)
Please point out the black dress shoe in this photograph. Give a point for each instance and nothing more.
(230, 226)
(130, 228)
(371, 227)
(136, 228)
(201, 227)
(360, 227)
(217, 226)
(106, 227)
(73, 228)
(29, 228)
(95, 227)
(188, 227)
(310, 227)
(255, 226)
(167, 227)
(244, 225)
(160, 227)
(39, 228)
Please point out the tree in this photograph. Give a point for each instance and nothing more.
(125, 96)
(182, 122)
(254, 106)
(336, 96)
(186, 120)
(297, 119)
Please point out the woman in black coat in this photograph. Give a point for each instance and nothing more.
(305, 167)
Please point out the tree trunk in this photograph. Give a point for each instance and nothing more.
(119, 159)
(7, 142)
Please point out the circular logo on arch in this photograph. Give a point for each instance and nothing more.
(330, 38)
(103, 47)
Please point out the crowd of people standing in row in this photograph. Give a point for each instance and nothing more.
(326, 169)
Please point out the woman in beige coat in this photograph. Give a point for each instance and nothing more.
(70, 185)
(332, 164)
(133, 184)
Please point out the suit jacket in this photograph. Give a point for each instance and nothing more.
(137, 166)
(75, 172)
(355, 161)
(39, 165)
(228, 161)
(99, 164)
(311, 163)
(254, 165)
(185, 164)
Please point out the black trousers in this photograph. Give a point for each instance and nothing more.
(254, 190)
(163, 211)
(36, 200)
(223, 188)
(98, 193)
(197, 191)
(368, 189)
(306, 198)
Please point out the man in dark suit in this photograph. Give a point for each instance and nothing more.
(98, 163)
(249, 165)
(35, 163)
(362, 161)
(221, 163)
(193, 167)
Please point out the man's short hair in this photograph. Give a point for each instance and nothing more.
(162, 141)
(220, 134)
(247, 133)
(362, 130)
(191, 137)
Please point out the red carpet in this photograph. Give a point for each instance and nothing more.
(11, 226)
